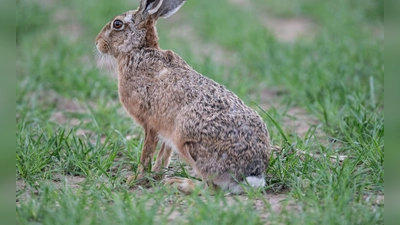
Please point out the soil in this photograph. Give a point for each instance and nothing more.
(285, 29)
(188, 35)
(289, 29)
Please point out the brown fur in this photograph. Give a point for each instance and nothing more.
(210, 127)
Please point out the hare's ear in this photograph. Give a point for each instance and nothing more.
(160, 8)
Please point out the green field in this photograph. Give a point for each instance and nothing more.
(312, 69)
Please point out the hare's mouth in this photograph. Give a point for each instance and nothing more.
(102, 46)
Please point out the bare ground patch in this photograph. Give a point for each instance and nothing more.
(285, 29)
(187, 34)
(296, 119)
(74, 113)
(63, 108)
(26, 190)
(289, 29)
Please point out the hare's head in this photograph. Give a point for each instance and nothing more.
(136, 28)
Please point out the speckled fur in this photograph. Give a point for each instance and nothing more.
(211, 128)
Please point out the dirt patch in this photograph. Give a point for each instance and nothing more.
(289, 29)
(25, 191)
(71, 181)
(296, 120)
(58, 180)
(243, 4)
(65, 110)
(299, 121)
(69, 105)
(20, 185)
(188, 35)
(375, 199)
(285, 29)
(64, 107)
(61, 118)
(46, 3)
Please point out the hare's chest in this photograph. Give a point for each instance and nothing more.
(135, 98)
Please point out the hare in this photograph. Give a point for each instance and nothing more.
(224, 141)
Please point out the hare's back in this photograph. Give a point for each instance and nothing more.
(218, 115)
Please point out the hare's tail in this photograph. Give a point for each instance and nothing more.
(255, 182)
(249, 182)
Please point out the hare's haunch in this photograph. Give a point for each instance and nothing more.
(226, 142)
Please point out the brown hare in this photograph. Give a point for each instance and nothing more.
(213, 131)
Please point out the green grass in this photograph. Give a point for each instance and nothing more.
(335, 76)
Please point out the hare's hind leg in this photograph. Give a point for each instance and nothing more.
(184, 185)
(162, 161)
(184, 153)
(188, 186)
(149, 148)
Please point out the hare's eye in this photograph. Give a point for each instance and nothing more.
(118, 24)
